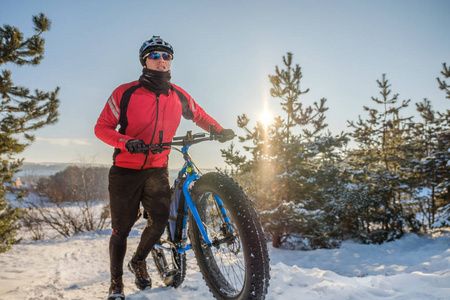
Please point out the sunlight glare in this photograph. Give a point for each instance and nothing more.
(266, 118)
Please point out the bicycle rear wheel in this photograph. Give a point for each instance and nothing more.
(236, 266)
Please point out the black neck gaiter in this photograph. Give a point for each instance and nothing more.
(155, 81)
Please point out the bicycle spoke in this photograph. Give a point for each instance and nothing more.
(230, 264)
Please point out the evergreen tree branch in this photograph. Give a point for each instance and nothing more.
(442, 84)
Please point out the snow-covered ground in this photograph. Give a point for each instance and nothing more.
(77, 268)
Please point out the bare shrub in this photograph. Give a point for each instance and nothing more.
(70, 202)
(33, 225)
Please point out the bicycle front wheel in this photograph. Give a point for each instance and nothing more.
(236, 266)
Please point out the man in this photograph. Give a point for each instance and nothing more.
(143, 108)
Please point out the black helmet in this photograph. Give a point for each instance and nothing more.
(154, 44)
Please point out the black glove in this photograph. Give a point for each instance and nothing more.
(136, 146)
(227, 134)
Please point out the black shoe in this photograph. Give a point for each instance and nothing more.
(116, 290)
(139, 269)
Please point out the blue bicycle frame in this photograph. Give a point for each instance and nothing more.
(191, 175)
(233, 262)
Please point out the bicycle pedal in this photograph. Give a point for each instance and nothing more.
(171, 273)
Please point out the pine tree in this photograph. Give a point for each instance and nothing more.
(291, 168)
(21, 112)
(442, 84)
(432, 166)
(443, 146)
(380, 166)
(426, 165)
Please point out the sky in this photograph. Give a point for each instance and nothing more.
(224, 52)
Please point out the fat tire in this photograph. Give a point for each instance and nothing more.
(251, 236)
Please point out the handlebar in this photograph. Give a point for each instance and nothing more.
(186, 140)
(196, 135)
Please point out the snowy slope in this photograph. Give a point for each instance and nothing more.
(77, 268)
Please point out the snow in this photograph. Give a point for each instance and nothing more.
(414, 267)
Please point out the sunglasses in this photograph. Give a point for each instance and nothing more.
(157, 55)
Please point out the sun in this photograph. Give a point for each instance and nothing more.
(266, 118)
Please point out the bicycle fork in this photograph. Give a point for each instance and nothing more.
(228, 230)
(193, 209)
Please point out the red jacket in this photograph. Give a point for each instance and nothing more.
(142, 115)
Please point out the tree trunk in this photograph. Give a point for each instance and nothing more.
(276, 238)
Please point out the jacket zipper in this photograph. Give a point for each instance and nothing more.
(154, 130)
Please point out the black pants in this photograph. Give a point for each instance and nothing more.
(127, 189)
